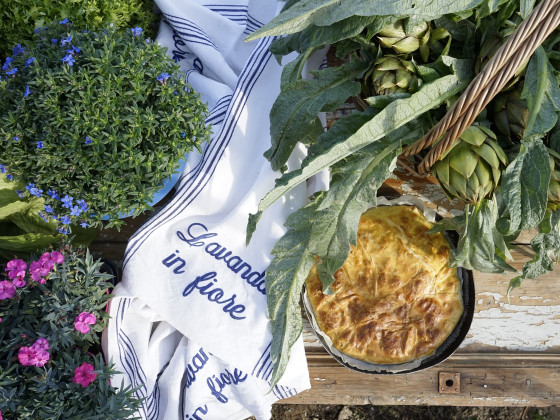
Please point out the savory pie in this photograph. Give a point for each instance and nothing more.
(395, 298)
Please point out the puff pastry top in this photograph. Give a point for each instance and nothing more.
(395, 298)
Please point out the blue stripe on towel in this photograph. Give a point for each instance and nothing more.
(256, 64)
(133, 369)
(189, 30)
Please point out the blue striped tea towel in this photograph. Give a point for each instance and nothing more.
(188, 321)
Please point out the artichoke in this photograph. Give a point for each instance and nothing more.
(472, 167)
(511, 114)
(554, 186)
(391, 74)
(403, 41)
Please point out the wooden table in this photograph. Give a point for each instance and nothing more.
(511, 356)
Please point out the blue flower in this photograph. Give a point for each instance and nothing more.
(36, 192)
(136, 31)
(63, 230)
(40, 144)
(75, 211)
(48, 208)
(54, 41)
(73, 50)
(63, 21)
(67, 201)
(147, 40)
(66, 40)
(16, 138)
(68, 59)
(2, 169)
(37, 30)
(43, 216)
(29, 61)
(6, 65)
(19, 193)
(88, 140)
(10, 177)
(162, 78)
(25, 95)
(12, 72)
(83, 205)
(52, 194)
(18, 49)
(65, 220)
(183, 134)
(29, 186)
(84, 224)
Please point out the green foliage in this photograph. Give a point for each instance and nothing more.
(18, 18)
(23, 230)
(48, 311)
(107, 129)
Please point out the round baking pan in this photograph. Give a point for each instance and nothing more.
(446, 349)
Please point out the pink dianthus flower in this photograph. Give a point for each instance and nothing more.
(84, 374)
(16, 271)
(7, 290)
(83, 321)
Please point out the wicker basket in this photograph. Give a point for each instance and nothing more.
(495, 75)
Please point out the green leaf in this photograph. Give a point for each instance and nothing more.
(325, 13)
(546, 245)
(525, 7)
(476, 249)
(525, 186)
(395, 115)
(294, 113)
(284, 280)
(318, 36)
(355, 181)
(542, 93)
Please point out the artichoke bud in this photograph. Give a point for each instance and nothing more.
(511, 114)
(396, 36)
(471, 168)
(487, 51)
(391, 74)
(554, 185)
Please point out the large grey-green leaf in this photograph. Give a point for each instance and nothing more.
(525, 186)
(542, 93)
(476, 249)
(294, 113)
(546, 245)
(395, 115)
(318, 36)
(325, 13)
(355, 181)
(284, 280)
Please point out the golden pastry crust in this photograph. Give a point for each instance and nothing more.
(395, 298)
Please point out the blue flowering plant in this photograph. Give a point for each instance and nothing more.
(94, 122)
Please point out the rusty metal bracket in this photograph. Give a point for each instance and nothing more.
(449, 383)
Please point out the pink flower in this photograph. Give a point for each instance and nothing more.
(38, 271)
(16, 268)
(41, 344)
(25, 356)
(7, 290)
(36, 355)
(0, 415)
(40, 358)
(18, 282)
(57, 257)
(84, 374)
(83, 321)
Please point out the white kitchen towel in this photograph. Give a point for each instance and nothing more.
(188, 321)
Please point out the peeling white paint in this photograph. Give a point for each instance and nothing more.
(480, 301)
(320, 379)
(530, 297)
(513, 327)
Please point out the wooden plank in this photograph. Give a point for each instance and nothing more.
(487, 379)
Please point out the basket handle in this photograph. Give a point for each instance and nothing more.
(531, 33)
